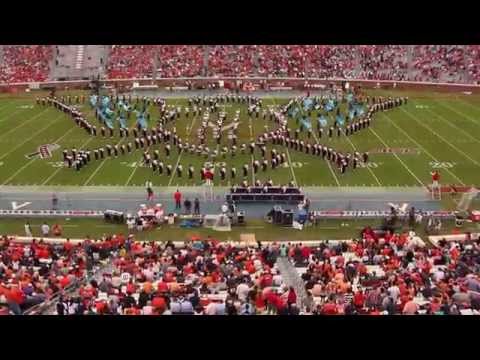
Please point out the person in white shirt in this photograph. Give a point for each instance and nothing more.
(211, 308)
(130, 223)
(28, 230)
(242, 291)
(45, 229)
(148, 309)
(394, 292)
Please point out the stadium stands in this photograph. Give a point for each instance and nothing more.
(180, 61)
(376, 274)
(390, 275)
(431, 63)
(25, 63)
(130, 61)
(439, 63)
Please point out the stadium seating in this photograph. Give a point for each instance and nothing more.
(25, 63)
(374, 274)
(389, 275)
(439, 63)
(431, 63)
(130, 61)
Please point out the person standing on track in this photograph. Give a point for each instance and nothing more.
(177, 196)
(196, 206)
(149, 189)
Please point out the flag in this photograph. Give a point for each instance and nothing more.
(351, 114)
(322, 121)
(93, 100)
(306, 123)
(339, 119)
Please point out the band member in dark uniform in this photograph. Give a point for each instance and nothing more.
(233, 173)
(365, 157)
(191, 170)
(129, 147)
(101, 151)
(102, 131)
(179, 171)
(245, 170)
(160, 168)
(169, 170)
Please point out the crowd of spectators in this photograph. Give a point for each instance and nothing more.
(383, 62)
(200, 278)
(391, 275)
(231, 60)
(180, 61)
(22, 63)
(437, 63)
(376, 62)
(32, 273)
(377, 274)
(130, 61)
(473, 64)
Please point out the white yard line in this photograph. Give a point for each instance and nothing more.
(99, 167)
(458, 112)
(450, 123)
(421, 147)
(398, 158)
(23, 123)
(328, 162)
(181, 152)
(60, 168)
(11, 115)
(132, 173)
(371, 171)
(442, 138)
(32, 160)
(31, 137)
(252, 159)
(19, 171)
(288, 156)
(291, 168)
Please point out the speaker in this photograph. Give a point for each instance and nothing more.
(287, 217)
(113, 216)
(241, 217)
(277, 215)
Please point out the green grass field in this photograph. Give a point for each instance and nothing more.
(325, 230)
(442, 130)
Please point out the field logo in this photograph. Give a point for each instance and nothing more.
(44, 151)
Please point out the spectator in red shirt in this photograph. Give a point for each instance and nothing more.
(177, 196)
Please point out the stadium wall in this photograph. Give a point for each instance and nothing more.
(244, 83)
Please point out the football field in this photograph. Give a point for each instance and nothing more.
(434, 131)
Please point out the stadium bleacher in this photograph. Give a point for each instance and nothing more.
(392, 274)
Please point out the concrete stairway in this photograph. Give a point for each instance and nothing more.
(74, 62)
